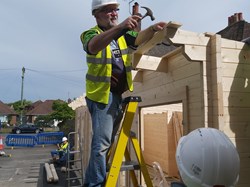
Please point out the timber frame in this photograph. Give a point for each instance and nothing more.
(209, 75)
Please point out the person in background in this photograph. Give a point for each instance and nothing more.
(61, 151)
(108, 77)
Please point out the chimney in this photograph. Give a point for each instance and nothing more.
(69, 100)
(230, 20)
(136, 12)
(235, 18)
(240, 16)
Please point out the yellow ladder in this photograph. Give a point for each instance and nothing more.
(120, 149)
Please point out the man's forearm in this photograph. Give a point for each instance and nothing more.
(103, 39)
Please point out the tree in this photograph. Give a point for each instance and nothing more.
(18, 105)
(44, 121)
(65, 114)
(62, 111)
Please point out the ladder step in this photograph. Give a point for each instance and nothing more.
(74, 178)
(75, 160)
(73, 152)
(76, 169)
(127, 165)
(130, 165)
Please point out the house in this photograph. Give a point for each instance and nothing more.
(7, 114)
(39, 108)
(238, 29)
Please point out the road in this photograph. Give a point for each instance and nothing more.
(22, 169)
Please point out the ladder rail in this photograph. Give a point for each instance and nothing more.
(120, 148)
(70, 161)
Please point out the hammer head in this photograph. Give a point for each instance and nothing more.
(148, 13)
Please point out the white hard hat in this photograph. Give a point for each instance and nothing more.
(206, 157)
(64, 139)
(96, 4)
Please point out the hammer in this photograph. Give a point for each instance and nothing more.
(148, 13)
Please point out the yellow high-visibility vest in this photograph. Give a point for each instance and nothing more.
(99, 72)
(64, 147)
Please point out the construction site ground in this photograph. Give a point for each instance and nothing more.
(25, 167)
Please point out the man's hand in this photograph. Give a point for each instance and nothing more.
(130, 23)
(158, 26)
(148, 33)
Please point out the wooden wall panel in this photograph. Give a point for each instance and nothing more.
(236, 90)
(160, 141)
(84, 127)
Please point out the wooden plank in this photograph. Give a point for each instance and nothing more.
(234, 56)
(216, 82)
(159, 83)
(154, 98)
(234, 99)
(84, 127)
(151, 141)
(195, 94)
(237, 111)
(173, 170)
(174, 62)
(231, 44)
(137, 76)
(177, 125)
(177, 51)
(244, 161)
(234, 84)
(242, 144)
(196, 53)
(159, 64)
(158, 37)
(158, 143)
(177, 60)
(233, 130)
(244, 176)
(236, 70)
(189, 38)
(152, 63)
(162, 108)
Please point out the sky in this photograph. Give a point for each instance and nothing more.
(43, 37)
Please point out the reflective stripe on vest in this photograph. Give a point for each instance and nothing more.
(99, 72)
(64, 147)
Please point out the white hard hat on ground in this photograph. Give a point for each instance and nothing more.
(96, 4)
(206, 157)
(64, 139)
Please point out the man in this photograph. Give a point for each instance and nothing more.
(108, 76)
(61, 151)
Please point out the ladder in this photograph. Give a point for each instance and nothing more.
(119, 150)
(74, 173)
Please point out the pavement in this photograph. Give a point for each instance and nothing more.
(25, 167)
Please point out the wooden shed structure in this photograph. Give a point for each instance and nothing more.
(206, 74)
